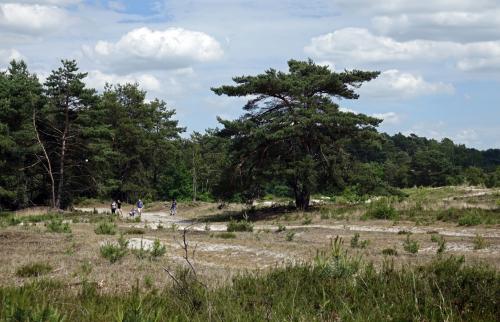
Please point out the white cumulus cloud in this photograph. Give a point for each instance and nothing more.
(396, 84)
(360, 46)
(144, 48)
(31, 18)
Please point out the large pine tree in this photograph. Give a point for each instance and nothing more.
(293, 129)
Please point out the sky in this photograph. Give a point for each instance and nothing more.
(439, 59)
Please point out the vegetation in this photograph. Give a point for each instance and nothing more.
(242, 225)
(411, 246)
(445, 289)
(105, 228)
(58, 226)
(33, 269)
(114, 251)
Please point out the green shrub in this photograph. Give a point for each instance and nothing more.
(389, 252)
(289, 236)
(411, 246)
(356, 243)
(242, 225)
(33, 269)
(57, 226)
(114, 251)
(307, 220)
(470, 219)
(281, 228)
(381, 209)
(158, 249)
(105, 228)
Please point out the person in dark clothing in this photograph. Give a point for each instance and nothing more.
(119, 206)
(173, 208)
(113, 207)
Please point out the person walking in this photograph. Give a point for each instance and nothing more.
(140, 205)
(119, 207)
(173, 208)
(113, 207)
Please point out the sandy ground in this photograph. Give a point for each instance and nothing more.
(75, 257)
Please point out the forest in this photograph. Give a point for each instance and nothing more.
(61, 142)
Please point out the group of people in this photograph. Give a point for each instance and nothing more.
(116, 207)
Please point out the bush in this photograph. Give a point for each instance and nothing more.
(57, 226)
(356, 243)
(105, 228)
(381, 209)
(411, 246)
(479, 242)
(242, 225)
(470, 219)
(158, 249)
(33, 270)
(389, 252)
(137, 231)
(289, 236)
(114, 251)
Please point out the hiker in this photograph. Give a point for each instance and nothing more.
(173, 208)
(113, 207)
(132, 212)
(119, 207)
(140, 205)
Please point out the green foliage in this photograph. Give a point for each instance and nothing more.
(289, 236)
(411, 246)
(337, 286)
(105, 228)
(242, 225)
(158, 249)
(281, 228)
(357, 243)
(469, 219)
(226, 235)
(114, 251)
(381, 209)
(33, 269)
(57, 226)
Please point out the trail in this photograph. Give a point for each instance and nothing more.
(153, 219)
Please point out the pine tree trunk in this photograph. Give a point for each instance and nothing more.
(63, 155)
(302, 197)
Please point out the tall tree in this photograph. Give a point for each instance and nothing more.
(67, 97)
(292, 127)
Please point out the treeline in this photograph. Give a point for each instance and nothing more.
(61, 141)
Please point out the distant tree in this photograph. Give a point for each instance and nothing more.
(21, 175)
(431, 168)
(474, 176)
(293, 129)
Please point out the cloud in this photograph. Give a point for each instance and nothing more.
(32, 19)
(397, 6)
(360, 46)
(399, 85)
(97, 79)
(144, 48)
(388, 118)
(7, 55)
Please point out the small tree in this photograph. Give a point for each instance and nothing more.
(292, 129)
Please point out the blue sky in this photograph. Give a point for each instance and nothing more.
(440, 59)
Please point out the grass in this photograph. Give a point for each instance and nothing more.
(380, 209)
(33, 269)
(411, 246)
(357, 243)
(238, 226)
(57, 226)
(105, 228)
(334, 288)
(225, 235)
(479, 242)
(135, 231)
(158, 249)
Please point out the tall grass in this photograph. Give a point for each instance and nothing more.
(334, 288)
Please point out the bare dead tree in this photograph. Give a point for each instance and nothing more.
(47, 165)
